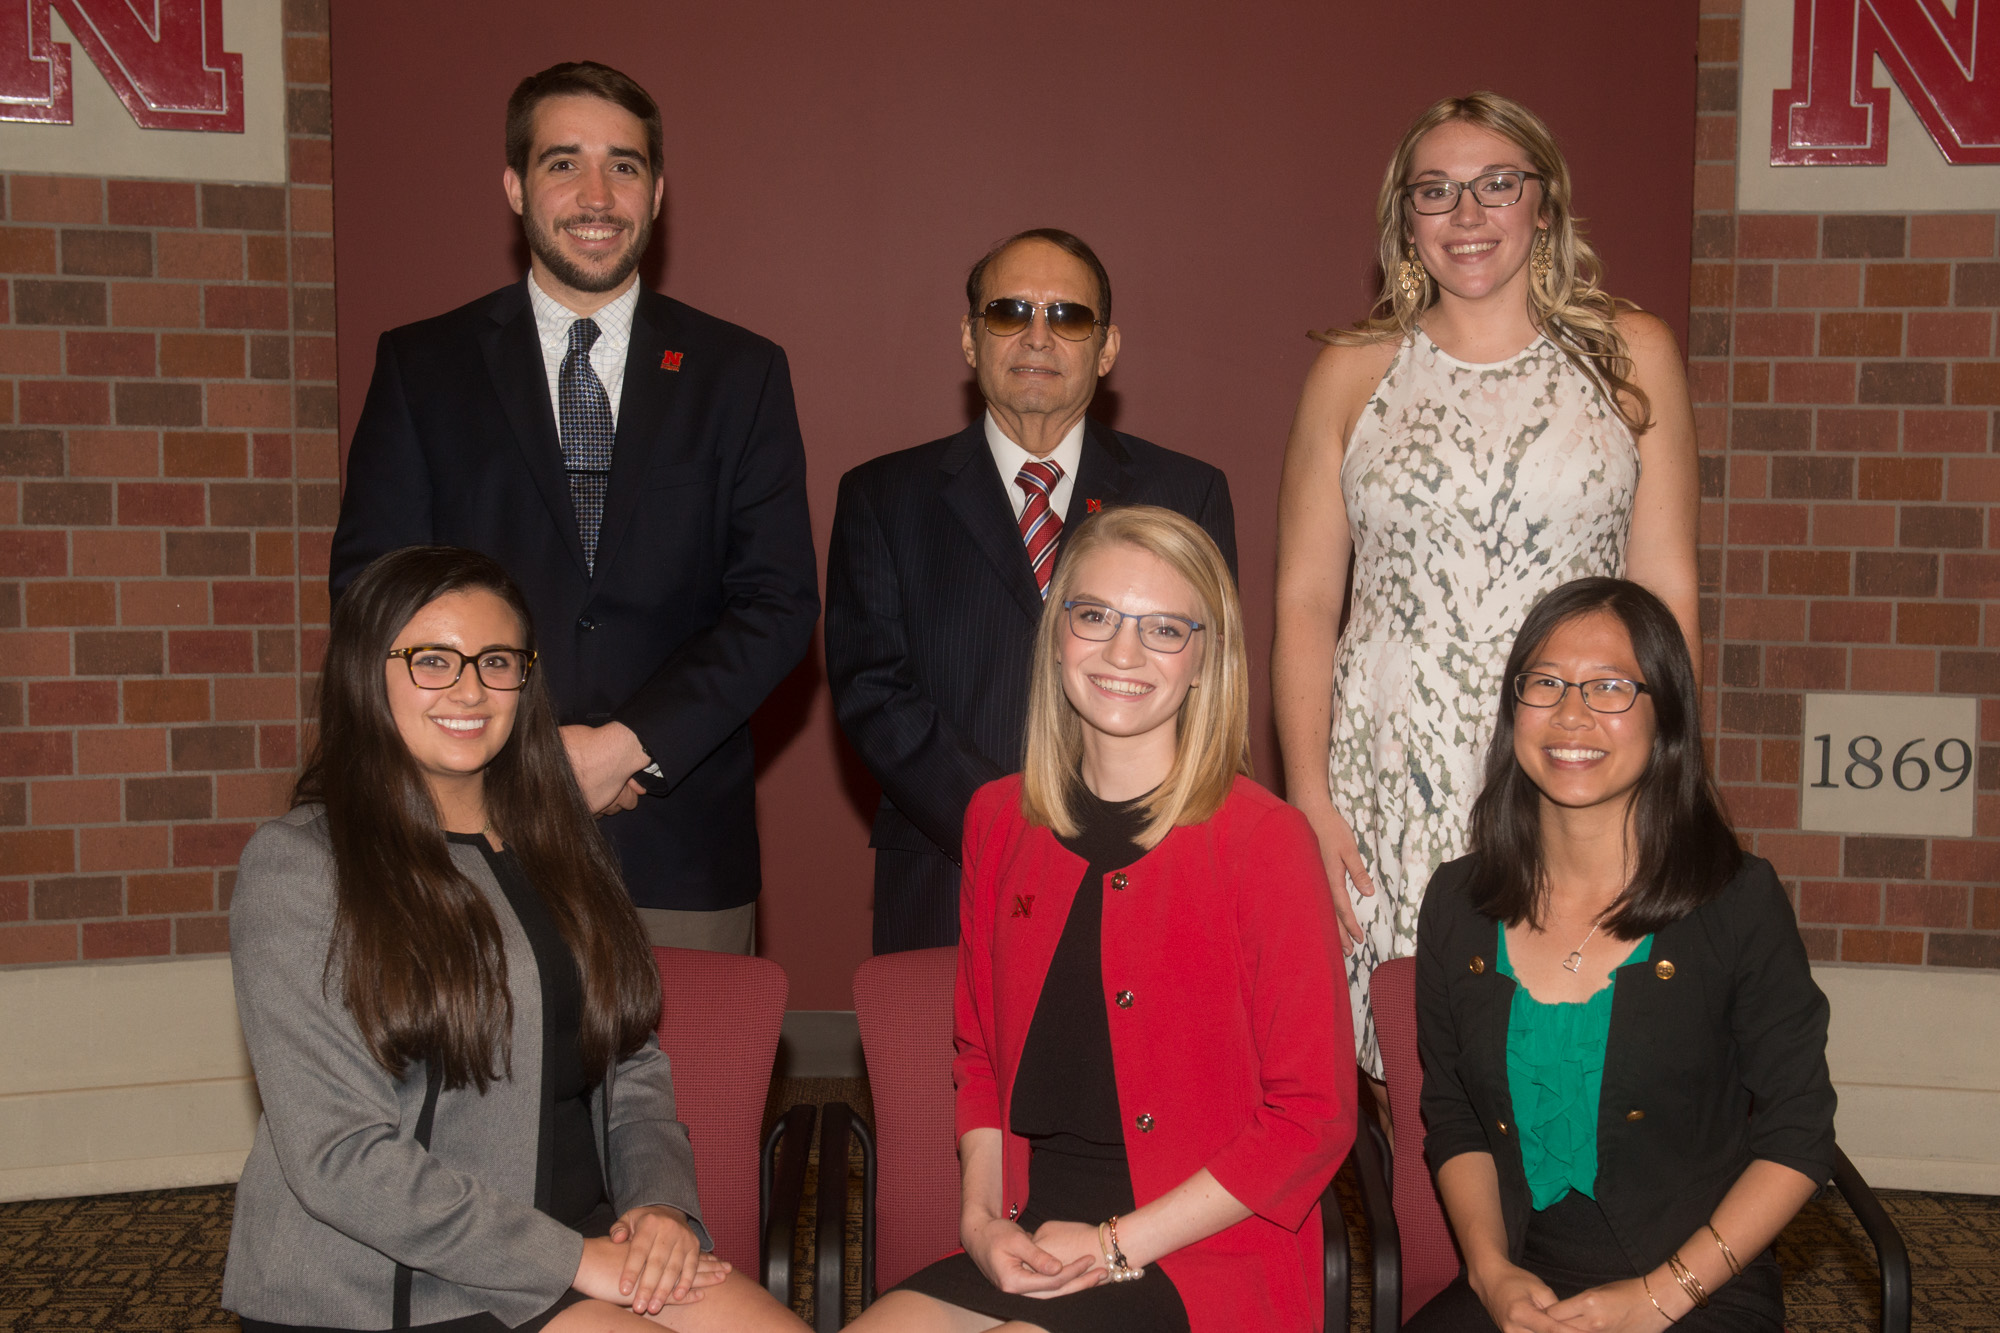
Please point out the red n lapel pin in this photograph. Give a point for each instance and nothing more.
(670, 361)
(1093, 506)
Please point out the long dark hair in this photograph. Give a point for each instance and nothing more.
(1683, 849)
(416, 948)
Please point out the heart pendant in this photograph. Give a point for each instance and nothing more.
(1574, 961)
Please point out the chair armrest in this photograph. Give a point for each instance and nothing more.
(781, 1187)
(1385, 1239)
(1892, 1257)
(837, 1124)
(1339, 1272)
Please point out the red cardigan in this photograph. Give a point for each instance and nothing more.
(1236, 1052)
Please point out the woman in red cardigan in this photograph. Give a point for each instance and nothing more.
(1154, 1056)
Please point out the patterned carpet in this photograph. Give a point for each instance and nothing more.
(154, 1260)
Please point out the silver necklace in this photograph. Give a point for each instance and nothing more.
(1575, 959)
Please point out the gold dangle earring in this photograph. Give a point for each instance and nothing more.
(1410, 274)
(1543, 261)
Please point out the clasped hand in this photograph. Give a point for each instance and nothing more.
(604, 760)
(651, 1259)
(1520, 1302)
(1060, 1258)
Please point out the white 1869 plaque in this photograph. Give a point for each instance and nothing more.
(1889, 763)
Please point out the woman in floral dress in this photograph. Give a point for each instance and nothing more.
(1498, 426)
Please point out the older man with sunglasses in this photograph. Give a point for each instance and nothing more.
(942, 555)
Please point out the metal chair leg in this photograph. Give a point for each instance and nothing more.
(781, 1188)
(1371, 1161)
(1892, 1257)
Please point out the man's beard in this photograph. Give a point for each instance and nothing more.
(567, 271)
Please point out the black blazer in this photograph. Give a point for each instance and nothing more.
(1717, 1055)
(932, 607)
(704, 592)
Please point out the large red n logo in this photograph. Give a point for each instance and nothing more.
(163, 58)
(1947, 65)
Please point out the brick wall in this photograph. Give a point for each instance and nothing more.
(1845, 387)
(168, 481)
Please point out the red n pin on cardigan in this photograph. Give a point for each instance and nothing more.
(670, 361)
(1093, 506)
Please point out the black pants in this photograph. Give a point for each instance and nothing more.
(1572, 1248)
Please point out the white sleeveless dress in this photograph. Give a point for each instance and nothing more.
(1471, 491)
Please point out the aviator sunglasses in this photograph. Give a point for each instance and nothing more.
(1006, 316)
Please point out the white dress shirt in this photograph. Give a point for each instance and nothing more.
(607, 354)
(1010, 457)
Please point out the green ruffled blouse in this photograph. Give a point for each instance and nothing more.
(1555, 1073)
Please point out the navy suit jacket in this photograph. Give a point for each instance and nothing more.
(930, 627)
(704, 592)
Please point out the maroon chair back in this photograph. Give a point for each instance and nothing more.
(904, 1003)
(1430, 1258)
(719, 1020)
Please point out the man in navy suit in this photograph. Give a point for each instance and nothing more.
(942, 554)
(636, 465)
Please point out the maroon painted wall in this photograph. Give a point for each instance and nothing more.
(833, 169)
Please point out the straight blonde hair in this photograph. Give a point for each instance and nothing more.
(1212, 730)
(1568, 305)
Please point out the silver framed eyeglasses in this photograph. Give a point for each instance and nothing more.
(1161, 631)
(1607, 694)
(1495, 189)
(433, 666)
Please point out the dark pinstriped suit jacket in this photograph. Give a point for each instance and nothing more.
(930, 621)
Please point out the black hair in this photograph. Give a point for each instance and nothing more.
(1683, 849)
(1067, 242)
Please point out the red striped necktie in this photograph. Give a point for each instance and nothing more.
(1041, 526)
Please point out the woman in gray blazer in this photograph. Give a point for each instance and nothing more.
(468, 1124)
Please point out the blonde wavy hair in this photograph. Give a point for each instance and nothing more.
(1212, 730)
(1568, 305)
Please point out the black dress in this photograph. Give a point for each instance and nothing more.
(569, 1177)
(1065, 1103)
(1571, 1247)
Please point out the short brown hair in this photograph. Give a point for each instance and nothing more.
(580, 78)
(1067, 242)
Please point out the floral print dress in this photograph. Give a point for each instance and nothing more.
(1471, 491)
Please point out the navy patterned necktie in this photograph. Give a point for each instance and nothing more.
(587, 435)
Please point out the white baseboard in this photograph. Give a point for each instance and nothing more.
(130, 1076)
(121, 1076)
(1936, 1175)
(146, 1173)
(1917, 1069)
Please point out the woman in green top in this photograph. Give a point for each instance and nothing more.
(1624, 1052)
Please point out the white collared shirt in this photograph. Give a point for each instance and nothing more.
(1010, 457)
(607, 354)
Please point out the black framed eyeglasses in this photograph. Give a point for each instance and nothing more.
(1608, 694)
(1494, 189)
(1006, 316)
(433, 666)
(1161, 631)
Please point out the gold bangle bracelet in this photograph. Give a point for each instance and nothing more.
(1656, 1300)
(1689, 1283)
(1728, 1255)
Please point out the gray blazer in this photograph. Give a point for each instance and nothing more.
(337, 1192)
